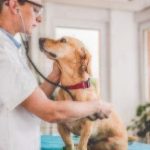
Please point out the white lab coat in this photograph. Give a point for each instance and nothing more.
(19, 129)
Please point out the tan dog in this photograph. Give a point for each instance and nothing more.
(74, 62)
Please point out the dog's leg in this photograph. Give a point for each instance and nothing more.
(63, 130)
(85, 134)
(65, 134)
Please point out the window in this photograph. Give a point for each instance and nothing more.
(147, 62)
(91, 40)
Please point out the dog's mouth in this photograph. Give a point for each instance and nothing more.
(51, 54)
(41, 45)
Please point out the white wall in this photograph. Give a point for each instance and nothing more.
(125, 93)
(118, 54)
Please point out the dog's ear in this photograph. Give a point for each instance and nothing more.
(85, 61)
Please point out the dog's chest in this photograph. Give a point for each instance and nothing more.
(75, 127)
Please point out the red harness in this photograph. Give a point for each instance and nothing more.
(81, 85)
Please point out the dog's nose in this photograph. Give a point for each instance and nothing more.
(41, 42)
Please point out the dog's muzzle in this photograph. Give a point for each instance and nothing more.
(41, 45)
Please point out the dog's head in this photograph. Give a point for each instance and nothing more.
(67, 51)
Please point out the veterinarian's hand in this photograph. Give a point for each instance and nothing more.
(104, 111)
(56, 72)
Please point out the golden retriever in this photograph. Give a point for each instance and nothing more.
(74, 62)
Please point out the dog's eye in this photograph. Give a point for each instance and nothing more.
(63, 40)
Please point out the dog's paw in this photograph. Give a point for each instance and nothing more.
(93, 117)
(70, 147)
(97, 116)
(101, 116)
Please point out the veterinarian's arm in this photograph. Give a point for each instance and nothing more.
(54, 77)
(56, 111)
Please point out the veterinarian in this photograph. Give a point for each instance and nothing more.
(22, 102)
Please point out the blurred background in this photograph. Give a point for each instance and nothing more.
(117, 34)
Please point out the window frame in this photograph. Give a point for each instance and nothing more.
(144, 79)
(104, 52)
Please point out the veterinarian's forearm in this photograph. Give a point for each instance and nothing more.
(47, 87)
(69, 110)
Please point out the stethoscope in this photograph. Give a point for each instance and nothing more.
(25, 41)
(26, 45)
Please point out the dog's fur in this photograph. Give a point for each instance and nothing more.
(74, 62)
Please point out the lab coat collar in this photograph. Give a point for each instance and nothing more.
(16, 43)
